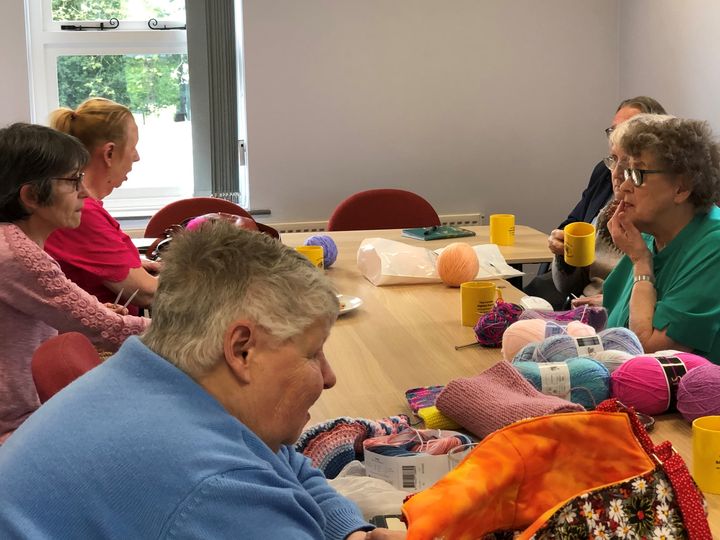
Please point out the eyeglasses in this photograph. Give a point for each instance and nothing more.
(637, 176)
(608, 131)
(75, 180)
(611, 162)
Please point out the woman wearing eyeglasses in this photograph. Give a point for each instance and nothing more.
(98, 255)
(586, 283)
(666, 288)
(40, 191)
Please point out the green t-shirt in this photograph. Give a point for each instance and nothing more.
(687, 280)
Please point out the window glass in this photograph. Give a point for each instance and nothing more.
(134, 10)
(155, 88)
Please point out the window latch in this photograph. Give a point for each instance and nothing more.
(153, 24)
(112, 24)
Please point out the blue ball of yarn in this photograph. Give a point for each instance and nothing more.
(560, 348)
(330, 250)
(589, 380)
(621, 339)
(526, 353)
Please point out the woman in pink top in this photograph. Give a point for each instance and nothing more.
(41, 190)
(97, 255)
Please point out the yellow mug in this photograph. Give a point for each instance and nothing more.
(477, 298)
(706, 453)
(314, 254)
(502, 229)
(579, 244)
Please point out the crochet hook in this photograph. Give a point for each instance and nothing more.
(458, 347)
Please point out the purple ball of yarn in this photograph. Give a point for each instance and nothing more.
(699, 392)
(330, 250)
(490, 327)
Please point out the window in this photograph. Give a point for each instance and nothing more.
(127, 61)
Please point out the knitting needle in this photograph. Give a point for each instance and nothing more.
(458, 347)
(118, 296)
(131, 298)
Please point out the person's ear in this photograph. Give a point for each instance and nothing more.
(28, 197)
(108, 150)
(238, 346)
(683, 189)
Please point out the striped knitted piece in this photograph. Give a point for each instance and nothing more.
(333, 444)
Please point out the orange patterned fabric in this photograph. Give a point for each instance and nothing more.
(520, 474)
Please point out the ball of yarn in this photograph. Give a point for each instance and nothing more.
(526, 353)
(589, 380)
(330, 250)
(612, 359)
(520, 334)
(621, 339)
(641, 382)
(457, 264)
(699, 392)
(491, 327)
(595, 316)
(578, 329)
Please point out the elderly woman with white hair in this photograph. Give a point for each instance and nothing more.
(666, 288)
(191, 426)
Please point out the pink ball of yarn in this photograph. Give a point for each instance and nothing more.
(641, 382)
(578, 329)
(457, 264)
(699, 392)
(520, 334)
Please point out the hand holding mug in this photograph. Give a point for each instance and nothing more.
(556, 242)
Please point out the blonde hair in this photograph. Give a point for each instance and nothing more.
(95, 122)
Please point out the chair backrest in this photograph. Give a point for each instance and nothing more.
(177, 212)
(382, 209)
(61, 360)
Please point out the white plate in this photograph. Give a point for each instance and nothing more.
(348, 303)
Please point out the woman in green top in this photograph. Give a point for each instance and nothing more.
(666, 288)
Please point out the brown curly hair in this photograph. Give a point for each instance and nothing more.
(683, 146)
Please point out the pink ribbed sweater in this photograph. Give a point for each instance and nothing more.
(36, 302)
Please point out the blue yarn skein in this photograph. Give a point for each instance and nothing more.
(589, 380)
(526, 353)
(560, 348)
(330, 250)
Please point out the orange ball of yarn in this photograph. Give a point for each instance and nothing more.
(457, 264)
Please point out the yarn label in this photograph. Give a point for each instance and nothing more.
(674, 368)
(555, 379)
(410, 473)
(588, 345)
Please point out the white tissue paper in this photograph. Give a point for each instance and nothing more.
(387, 262)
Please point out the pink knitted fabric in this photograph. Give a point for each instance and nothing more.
(37, 301)
(496, 398)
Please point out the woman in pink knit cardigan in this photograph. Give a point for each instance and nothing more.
(41, 190)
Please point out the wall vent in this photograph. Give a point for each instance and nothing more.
(458, 220)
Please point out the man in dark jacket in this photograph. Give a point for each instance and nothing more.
(597, 193)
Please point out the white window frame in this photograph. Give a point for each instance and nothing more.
(47, 42)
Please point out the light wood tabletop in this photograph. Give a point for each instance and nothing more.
(403, 336)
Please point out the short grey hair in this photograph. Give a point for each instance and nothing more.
(682, 146)
(622, 127)
(219, 273)
(645, 104)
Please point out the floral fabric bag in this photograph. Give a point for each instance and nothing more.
(571, 476)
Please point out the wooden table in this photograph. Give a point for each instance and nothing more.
(403, 336)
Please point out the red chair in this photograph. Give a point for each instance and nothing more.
(177, 212)
(61, 360)
(382, 209)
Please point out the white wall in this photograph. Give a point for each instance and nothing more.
(14, 88)
(671, 51)
(478, 105)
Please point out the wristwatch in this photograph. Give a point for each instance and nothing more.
(644, 277)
